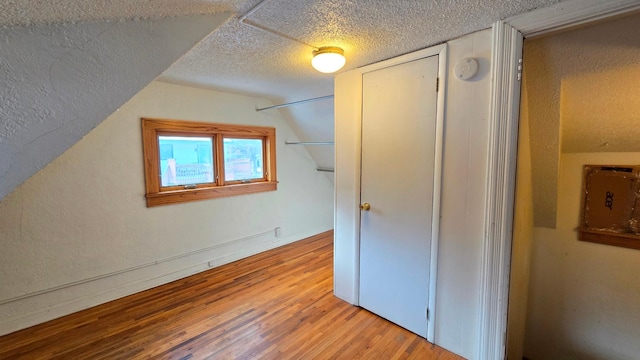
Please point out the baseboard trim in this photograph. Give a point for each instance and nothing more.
(131, 269)
(31, 309)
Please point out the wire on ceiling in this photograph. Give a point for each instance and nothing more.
(244, 20)
(296, 103)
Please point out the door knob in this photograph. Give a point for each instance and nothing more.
(365, 206)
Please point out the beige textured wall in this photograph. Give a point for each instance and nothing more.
(600, 111)
(522, 238)
(583, 300)
(84, 216)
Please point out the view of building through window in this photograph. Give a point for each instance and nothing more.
(186, 160)
(243, 159)
(189, 160)
(192, 160)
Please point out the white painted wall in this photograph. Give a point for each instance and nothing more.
(463, 194)
(57, 82)
(584, 296)
(313, 121)
(84, 216)
(348, 121)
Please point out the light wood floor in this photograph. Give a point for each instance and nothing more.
(275, 305)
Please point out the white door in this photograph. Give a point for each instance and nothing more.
(398, 158)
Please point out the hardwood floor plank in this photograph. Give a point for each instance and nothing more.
(275, 305)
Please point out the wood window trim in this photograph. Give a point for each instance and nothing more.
(156, 195)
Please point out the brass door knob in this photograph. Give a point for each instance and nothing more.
(365, 206)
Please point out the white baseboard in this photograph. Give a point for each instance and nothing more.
(42, 306)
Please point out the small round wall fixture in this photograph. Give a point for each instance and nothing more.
(466, 68)
(328, 59)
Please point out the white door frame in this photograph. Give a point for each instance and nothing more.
(503, 147)
(441, 52)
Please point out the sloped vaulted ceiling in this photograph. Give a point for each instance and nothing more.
(67, 64)
(60, 81)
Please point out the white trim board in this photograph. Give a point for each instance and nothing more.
(501, 174)
(568, 14)
(505, 95)
(441, 52)
(437, 191)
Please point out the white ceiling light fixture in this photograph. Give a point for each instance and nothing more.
(328, 59)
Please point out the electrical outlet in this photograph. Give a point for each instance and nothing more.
(212, 263)
(278, 231)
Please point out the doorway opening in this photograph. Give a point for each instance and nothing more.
(579, 106)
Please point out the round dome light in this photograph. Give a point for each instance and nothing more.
(328, 59)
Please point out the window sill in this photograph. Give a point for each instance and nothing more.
(178, 196)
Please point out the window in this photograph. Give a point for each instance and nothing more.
(188, 160)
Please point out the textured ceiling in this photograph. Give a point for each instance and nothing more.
(243, 59)
(586, 86)
(30, 12)
(582, 87)
(59, 81)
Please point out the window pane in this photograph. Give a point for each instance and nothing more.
(186, 160)
(243, 159)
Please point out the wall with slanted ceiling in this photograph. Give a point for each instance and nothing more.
(59, 81)
(582, 85)
(78, 232)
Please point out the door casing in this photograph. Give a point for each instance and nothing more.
(503, 121)
(441, 52)
(395, 234)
